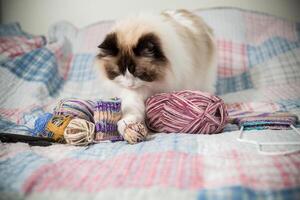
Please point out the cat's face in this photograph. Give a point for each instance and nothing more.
(133, 58)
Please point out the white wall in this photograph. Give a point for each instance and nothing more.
(35, 16)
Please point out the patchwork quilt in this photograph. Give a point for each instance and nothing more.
(258, 71)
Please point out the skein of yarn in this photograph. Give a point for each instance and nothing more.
(78, 108)
(79, 132)
(186, 112)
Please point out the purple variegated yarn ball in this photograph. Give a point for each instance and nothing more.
(78, 108)
(186, 112)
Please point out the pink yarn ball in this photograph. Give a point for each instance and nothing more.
(186, 112)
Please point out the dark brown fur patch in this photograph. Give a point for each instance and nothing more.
(109, 46)
(149, 46)
(126, 61)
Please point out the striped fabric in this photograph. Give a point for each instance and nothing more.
(258, 72)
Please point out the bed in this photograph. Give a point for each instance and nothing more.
(258, 71)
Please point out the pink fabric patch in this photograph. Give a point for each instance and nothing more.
(167, 169)
(232, 58)
(180, 170)
(263, 27)
(13, 46)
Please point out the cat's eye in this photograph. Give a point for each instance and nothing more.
(112, 74)
(148, 49)
(149, 46)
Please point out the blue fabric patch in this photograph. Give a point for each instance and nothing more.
(12, 29)
(14, 171)
(240, 192)
(269, 49)
(186, 143)
(38, 65)
(6, 125)
(289, 104)
(234, 83)
(82, 68)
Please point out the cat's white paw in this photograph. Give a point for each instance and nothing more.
(124, 122)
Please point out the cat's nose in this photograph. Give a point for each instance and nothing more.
(129, 84)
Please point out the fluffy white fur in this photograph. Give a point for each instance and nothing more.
(187, 69)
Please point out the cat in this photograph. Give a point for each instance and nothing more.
(153, 53)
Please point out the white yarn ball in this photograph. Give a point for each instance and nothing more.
(79, 132)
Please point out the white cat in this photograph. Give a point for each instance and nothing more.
(148, 54)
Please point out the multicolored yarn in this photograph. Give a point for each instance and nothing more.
(186, 112)
(106, 115)
(72, 125)
(273, 121)
(55, 127)
(79, 132)
(78, 108)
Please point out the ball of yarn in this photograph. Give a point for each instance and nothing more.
(56, 127)
(78, 108)
(135, 132)
(186, 112)
(79, 132)
(41, 123)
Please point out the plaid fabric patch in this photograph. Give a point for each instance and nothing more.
(6, 125)
(290, 104)
(15, 120)
(175, 164)
(17, 115)
(234, 84)
(232, 58)
(270, 48)
(240, 108)
(280, 70)
(19, 45)
(82, 68)
(281, 92)
(38, 65)
(240, 193)
(260, 28)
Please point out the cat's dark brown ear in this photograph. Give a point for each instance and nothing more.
(109, 47)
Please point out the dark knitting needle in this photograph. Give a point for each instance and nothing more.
(31, 140)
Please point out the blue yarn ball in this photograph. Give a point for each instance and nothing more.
(41, 122)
